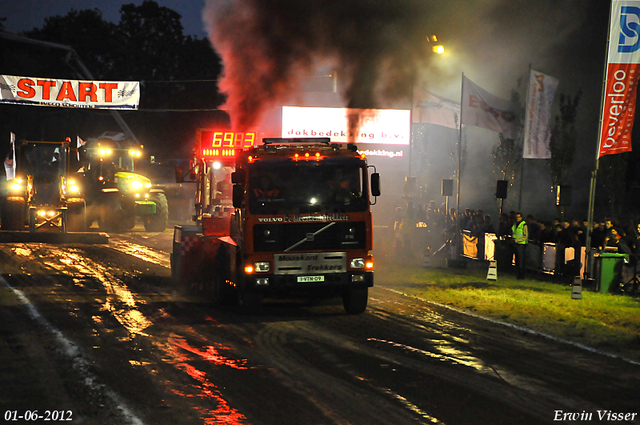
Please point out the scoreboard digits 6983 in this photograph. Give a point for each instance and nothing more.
(222, 144)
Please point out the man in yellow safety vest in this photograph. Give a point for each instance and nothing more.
(520, 235)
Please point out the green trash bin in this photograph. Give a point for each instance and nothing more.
(609, 273)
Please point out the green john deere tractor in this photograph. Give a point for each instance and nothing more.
(114, 193)
(38, 191)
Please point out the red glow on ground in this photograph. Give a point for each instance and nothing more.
(208, 353)
(203, 389)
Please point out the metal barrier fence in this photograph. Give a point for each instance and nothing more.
(549, 258)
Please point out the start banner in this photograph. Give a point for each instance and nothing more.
(37, 91)
(623, 70)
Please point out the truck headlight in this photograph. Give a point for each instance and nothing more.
(262, 266)
(357, 263)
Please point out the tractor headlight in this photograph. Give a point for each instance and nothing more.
(136, 185)
(17, 185)
(73, 187)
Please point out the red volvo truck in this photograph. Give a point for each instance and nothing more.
(277, 219)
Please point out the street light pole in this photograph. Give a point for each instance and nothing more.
(458, 234)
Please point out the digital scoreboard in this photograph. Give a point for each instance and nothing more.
(223, 144)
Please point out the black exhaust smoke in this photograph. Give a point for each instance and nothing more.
(269, 46)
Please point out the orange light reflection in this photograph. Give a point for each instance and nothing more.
(210, 353)
(205, 389)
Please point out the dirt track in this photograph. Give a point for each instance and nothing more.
(102, 332)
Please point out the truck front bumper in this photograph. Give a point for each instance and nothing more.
(270, 283)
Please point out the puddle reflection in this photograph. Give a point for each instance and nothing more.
(181, 354)
(446, 352)
(120, 301)
(142, 252)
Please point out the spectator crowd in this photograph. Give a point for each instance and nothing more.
(439, 226)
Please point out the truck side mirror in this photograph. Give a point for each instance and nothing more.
(375, 184)
(238, 195)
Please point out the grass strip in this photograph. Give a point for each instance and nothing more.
(603, 321)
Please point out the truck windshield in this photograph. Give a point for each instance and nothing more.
(304, 187)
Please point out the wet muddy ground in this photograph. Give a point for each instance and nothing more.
(101, 335)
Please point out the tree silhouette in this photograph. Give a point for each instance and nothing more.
(177, 73)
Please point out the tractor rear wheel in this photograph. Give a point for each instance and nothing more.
(157, 222)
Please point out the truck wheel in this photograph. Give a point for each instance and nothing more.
(355, 300)
(158, 222)
(13, 215)
(77, 217)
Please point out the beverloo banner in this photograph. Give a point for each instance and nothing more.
(619, 98)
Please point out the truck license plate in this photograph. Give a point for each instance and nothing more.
(310, 278)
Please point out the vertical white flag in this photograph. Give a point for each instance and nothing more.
(431, 109)
(10, 161)
(482, 109)
(542, 89)
(79, 143)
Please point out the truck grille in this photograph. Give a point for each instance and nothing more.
(278, 237)
(310, 263)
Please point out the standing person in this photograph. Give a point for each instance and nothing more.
(520, 233)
